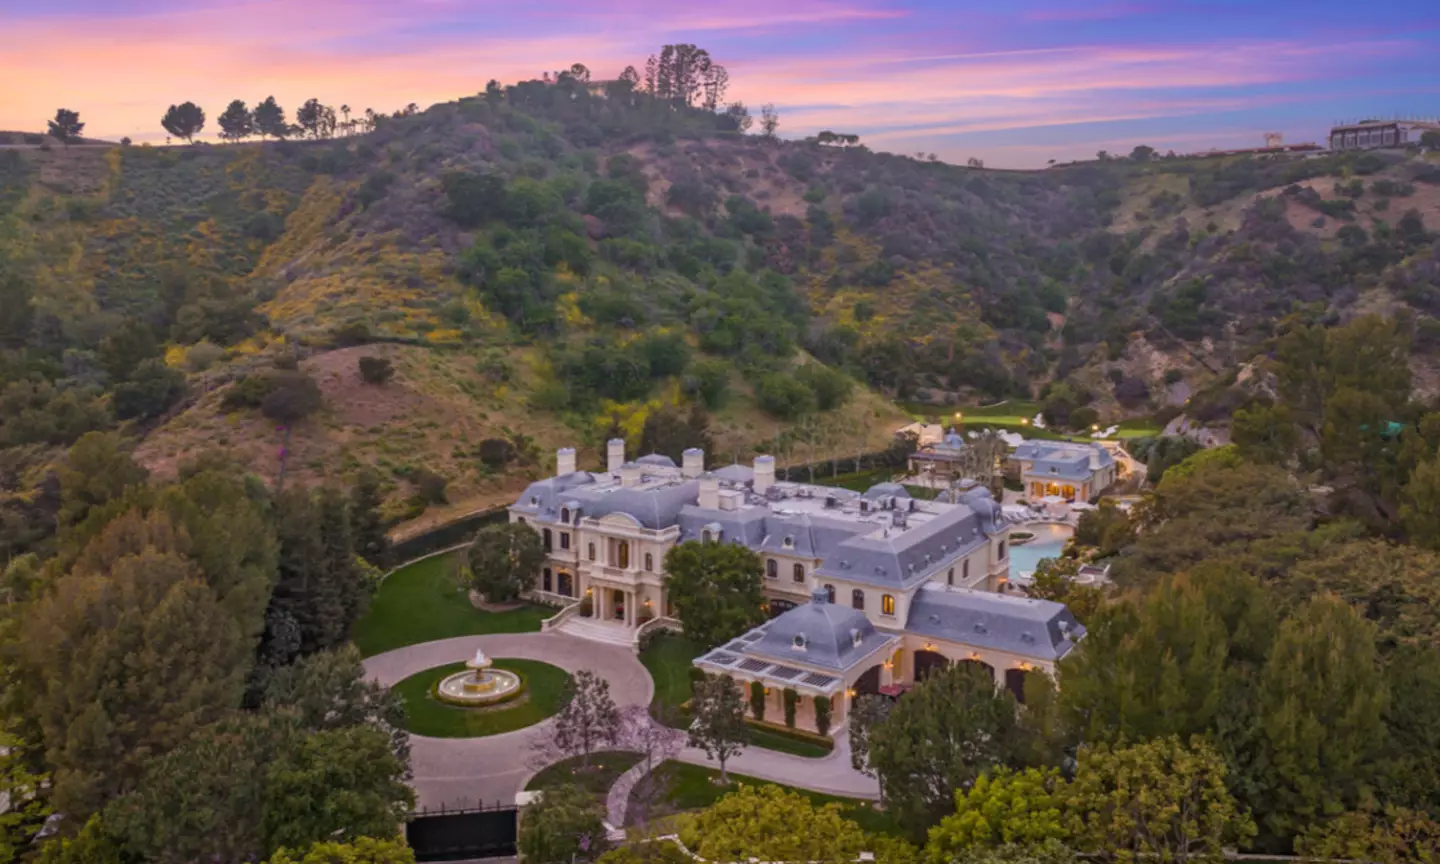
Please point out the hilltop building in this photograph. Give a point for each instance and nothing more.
(870, 591)
(1380, 134)
(1073, 470)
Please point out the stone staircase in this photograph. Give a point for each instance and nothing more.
(598, 631)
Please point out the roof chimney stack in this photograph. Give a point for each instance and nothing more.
(630, 475)
(693, 462)
(614, 455)
(709, 492)
(564, 461)
(764, 474)
(1095, 458)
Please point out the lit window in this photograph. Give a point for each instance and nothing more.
(887, 604)
(798, 572)
(857, 599)
(772, 570)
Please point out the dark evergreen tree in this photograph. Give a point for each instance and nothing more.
(371, 541)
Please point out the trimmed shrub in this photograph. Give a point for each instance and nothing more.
(757, 700)
(822, 714)
(376, 370)
(791, 700)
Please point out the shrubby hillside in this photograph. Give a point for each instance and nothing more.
(561, 261)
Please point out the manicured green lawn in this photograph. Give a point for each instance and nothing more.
(421, 603)
(668, 660)
(693, 787)
(605, 768)
(426, 715)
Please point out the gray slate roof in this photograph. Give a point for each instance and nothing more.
(834, 637)
(1018, 625)
(1063, 460)
(652, 508)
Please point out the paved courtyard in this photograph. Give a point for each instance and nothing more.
(459, 771)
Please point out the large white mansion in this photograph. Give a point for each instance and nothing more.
(869, 592)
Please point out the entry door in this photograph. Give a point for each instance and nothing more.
(619, 606)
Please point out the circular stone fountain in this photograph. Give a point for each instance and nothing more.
(478, 684)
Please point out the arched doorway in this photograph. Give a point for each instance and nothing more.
(928, 663)
(868, 684)
(1015, 683)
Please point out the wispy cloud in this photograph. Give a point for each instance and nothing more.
(896, 71)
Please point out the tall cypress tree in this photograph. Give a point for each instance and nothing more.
(339, 595)
(371, 542)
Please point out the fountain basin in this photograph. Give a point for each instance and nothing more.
(479, 687)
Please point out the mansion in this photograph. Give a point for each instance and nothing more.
(1073, 470)
(868, 591)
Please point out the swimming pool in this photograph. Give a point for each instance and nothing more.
(1048, 543)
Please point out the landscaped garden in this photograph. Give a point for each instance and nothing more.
(421, 602)
(604, 769)
(425, 714)
(693, 787)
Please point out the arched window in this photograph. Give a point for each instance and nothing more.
(548, 539)
(772, 569)
(857, 599)
(565, 515)
(798, 572)
(545, 580)
(887, 604)
(622, 554)
(649, 563)
(591, 551)
(830, 592)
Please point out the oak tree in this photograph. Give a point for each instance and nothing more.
(185, 120)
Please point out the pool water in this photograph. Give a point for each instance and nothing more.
(1049, 542)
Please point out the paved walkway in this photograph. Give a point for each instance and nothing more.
(459, 771)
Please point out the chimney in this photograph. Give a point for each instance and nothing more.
(564, 461)
(1095, 458)
(614, 455)
(764, 474)
(693, 462)
(709, 492)
(630, 474)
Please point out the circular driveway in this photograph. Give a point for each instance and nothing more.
(454, 772)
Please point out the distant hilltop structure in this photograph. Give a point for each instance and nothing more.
(1380, 134)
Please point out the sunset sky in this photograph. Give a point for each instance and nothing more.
(1014, 83)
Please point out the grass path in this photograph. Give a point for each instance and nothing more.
(426, 715)
(420, 602)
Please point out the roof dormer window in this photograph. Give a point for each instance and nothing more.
(789, 542)
(799, 642)
(856, 638)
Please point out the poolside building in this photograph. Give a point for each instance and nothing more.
(1072, 470)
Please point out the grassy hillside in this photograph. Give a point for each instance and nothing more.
(543, 266)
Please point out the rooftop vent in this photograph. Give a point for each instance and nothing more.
(830, 502)
(980, 627)
(1027, 637)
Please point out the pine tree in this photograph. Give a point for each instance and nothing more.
(371, 541)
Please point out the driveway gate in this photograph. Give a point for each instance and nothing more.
(459, 834)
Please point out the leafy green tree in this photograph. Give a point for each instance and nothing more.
(785, 396)
(316, 119)
(364, 850)
(185, 120)
(1420, 507)
(339, 780)
(1002, 808)
(710, 381)
(716, 588)
(1211, 459)
(1142, 153)
(831, 388)
(1410, 769)
(371, 540)
(1395, 836)
(1320, 705)
(330, 690)
(376, 370)
(1106, 529)
(669, 432)
(504, 561)
(66, 126)
(152, 389)
(291, 397)
(1158, 800)
(320, 590)
(565, 825)
(941, 736)
(770, 823)
(128, 661)
(769, 121)
(1265, 434)
(270, 120)
(718, 726)
(22, 793)
(237, 123)
(589, 720)
(95, 472)
(866, 713)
